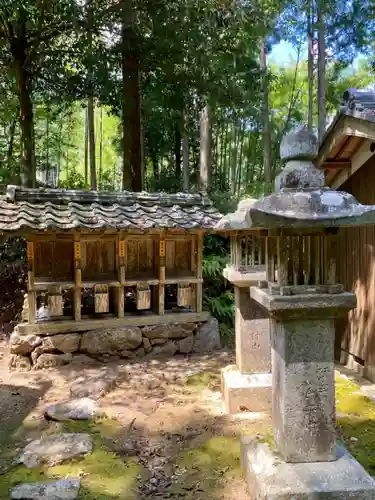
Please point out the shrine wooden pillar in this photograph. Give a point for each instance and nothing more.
(31, 291)
(121, 275)
(199, 286)
(161, 294)
(77, 277)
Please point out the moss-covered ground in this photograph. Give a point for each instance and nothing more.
(204, 460)
(356, 422)
(104, 474)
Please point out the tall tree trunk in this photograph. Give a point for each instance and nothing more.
(225, 146)
(205, 172)
(267, 151)
(101, 149)
(90, 101)
(141, 136)
(47, 146)
(59, 141)
(240, 157)
(233, 162)
(12, 131)
(91, 130)
(26, 125)
(132, 168)
(310, 64)
(321, 71)
(86, 149)
(177, 150)
(185, 152)
(155, 165)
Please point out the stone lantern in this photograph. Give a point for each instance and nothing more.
(303, 299)
(246, 386)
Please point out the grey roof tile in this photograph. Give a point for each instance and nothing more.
(42, 209)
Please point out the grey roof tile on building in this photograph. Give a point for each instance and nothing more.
(41, 209)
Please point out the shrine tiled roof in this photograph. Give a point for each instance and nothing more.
(23, 209)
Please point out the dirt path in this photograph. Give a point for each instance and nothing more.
(164, 421)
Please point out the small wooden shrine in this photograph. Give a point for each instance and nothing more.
(247, 246)
(100, 259)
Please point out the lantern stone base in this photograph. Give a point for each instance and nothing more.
(245, 391)
(270, 478)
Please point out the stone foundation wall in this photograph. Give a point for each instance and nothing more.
(33, 351)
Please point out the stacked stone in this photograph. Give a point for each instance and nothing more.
(247, 385)
(28, 351)
(303, 299)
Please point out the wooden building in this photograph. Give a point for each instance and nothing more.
(347, 155)
(109, 259)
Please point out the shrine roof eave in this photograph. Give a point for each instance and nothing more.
(32, 210)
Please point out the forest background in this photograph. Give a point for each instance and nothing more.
(169, 95)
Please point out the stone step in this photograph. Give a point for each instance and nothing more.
(56, 449)
(75, 409)
(63, 489)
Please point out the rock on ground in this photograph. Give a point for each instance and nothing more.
(75, 409)
(64, 489)
(19, 363)
(159, 341)
(179, 331)
(147, 345)
(111, 340)
(185, 346)
(94, 386)
(54, 450)
(208, 337)
(65, 343)
(46, 360)
(168, 349)
(23, 344)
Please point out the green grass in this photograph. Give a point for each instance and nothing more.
(203, 380)
(104, 474)
(206, 469)
(356, 422)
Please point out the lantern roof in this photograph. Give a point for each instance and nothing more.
(300, 200)
(238, 220)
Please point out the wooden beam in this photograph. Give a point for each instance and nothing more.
(346, 126)
(362, 155)
(336, 164)
(343, 146)
(358, 146)
(54, 327)
(333, 139)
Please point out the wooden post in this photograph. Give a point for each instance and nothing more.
(331, 259)
(193, 266)
(307, 259)
(317, 260)
(238, 250)
(199, 287)
(161, 295)
(77, 277)
(121, 276)
(282, 260)
(270, 260)
(31, 282)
